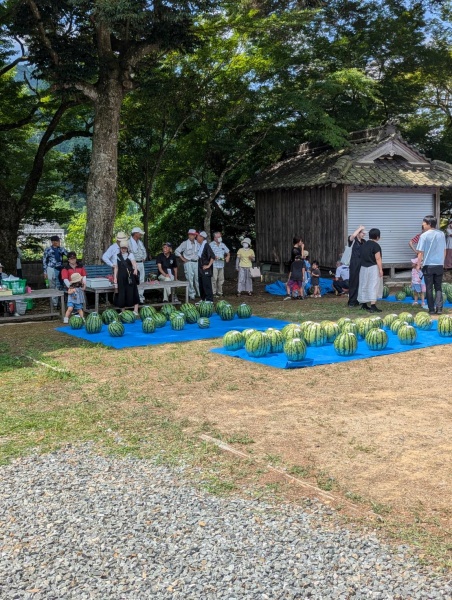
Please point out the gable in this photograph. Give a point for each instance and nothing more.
(394, 147)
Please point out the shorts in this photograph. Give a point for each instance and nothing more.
(418, 287)
(295, 286)
(315, 280)
(75, 305)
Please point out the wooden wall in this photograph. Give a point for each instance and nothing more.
(317, 215)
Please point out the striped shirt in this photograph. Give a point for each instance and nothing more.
(220, 251)
(138, 250)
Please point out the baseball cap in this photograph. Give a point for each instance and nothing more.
(203, 234)
(192, 231)
(169, 244)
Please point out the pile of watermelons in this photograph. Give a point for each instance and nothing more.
(152, 319)
(295, 339)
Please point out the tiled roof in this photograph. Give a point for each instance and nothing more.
(312, 167)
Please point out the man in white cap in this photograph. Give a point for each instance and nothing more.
(109, 256)
(206, 257)
(188, 253)
(136, 247)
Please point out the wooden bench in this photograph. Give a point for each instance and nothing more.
(35, 295)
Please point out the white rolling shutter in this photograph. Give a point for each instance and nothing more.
(397, 216)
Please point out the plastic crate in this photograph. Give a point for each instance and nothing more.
(17, 287)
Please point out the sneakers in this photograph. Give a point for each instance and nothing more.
(66, 320)
(136, 314)
(287, 298)
(415, 303)
(364, 306)
(423, 305)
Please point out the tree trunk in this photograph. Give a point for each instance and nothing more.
(103, 176)
(10, 218)
(208, 215)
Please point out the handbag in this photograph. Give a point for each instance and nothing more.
(255, 272)
(347, 254)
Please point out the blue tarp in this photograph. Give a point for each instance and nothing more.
(134, 335)
(326, 355)
(278, 288)
(408, 300)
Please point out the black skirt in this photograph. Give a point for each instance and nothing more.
(127, 295)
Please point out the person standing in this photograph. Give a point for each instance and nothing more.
(356, 241)
(297, 250)
(222, 256)
(19, 262)
(431, 251)
(109, 256)
(136, 247)
(206, 258)
(76, 297)
(188, 253)
(371, 273)
(125, 275)
(167, 267)
(448, 260)
(244, 262)
(52, 262)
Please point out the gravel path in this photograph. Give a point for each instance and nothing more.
(77, 525)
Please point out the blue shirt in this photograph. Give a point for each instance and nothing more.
(433, 244)
(53, 257)
(220, 251)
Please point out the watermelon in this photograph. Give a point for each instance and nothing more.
(377, 322)
(244, 311)
(109, 315)
(167, 310)
(346, 344)
(350, 328)
(258, 344)
(147, 311)
(247, 332)
(76, 322)
(233, 340)
(285, 331)
(377, 339)
(449, 295)
(159, 320)
(385, 291)
(359, 320)
(93, 323)
(227, 313)
(205, 308)
(342, 321)
(408, 291)
(396, 325)
(331, 330)
(407, 335)
(127, 316)
(423, 321)
(364, 327)
(219, 306)
(177, 323)
(295, 349)
(294, 332)
(148, 325)
(388, 320)
(276, 340)
(116, 329)
(305, 325)
(315, 335)
(203, 322)
(445, 326)
(191, 313)
(400, 295)
(407, 317)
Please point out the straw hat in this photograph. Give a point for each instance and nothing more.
(75, 278)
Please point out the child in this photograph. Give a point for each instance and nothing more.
(315, 279)
(294, 286)
(417, 283)
(75, 296)
(307, 271)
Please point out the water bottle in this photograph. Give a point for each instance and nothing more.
(46, 281)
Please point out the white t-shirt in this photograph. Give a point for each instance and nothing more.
(343, 272)
(126, 256)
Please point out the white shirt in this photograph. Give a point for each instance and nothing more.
(343, 272)
(188, 249)
(138, 249)
(129, 256)
(109, 256)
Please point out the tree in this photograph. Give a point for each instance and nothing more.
(96, 48)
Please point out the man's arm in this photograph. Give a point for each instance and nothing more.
(179, 250)
(106, 258)
(355, 233)
(379, 263)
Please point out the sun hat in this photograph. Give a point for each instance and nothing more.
(246, 241)
(203, 234)
(137, 230)
(123, 244)
(75, 278)
(192, 232)
(121, 235)
(305, 253)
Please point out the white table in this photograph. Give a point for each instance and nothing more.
(153, 285)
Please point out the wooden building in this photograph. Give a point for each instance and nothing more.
(323, 194)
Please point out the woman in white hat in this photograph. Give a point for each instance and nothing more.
(244, 262)
(75, 296)
(125, 275)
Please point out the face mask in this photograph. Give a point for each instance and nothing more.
(219, 240)
(245, 245)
